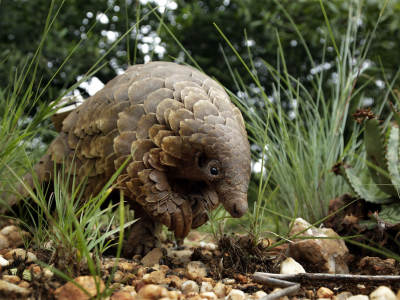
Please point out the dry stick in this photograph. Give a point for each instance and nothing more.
(264, 278)
(289, 287)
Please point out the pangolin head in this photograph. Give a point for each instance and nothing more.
(224, 163)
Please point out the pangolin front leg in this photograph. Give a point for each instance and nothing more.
(203, 201)
(163, 204)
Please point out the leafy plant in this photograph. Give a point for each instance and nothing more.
(382, 161)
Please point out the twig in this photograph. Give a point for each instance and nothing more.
(264, 278)
(289, 287)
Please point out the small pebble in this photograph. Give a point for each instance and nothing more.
(152, 291)
(383, 293)
(7, 288)
(290, 266)
(189, 287)
(23, 284)
(324, 292)
(259, 294)
(122, 296)
(3, 262)
(20, 252)
(220, 289)
(206, 287)
(236, 295)
(12, 279)
(281, 298)
(359, 297)
(196, 270)
(344, 295)
(3, 242)
(361, 286)
(209, 296)
(242, 279)
(228, 281)
(173, 295)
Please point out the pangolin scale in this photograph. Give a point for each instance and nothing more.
(187, 141)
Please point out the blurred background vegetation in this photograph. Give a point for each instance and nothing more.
(22, 26)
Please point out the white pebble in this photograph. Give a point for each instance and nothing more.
(290, 266)
(189, 287)
(3, 262)
(382, 293)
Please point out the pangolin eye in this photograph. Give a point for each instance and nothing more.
(214, 171)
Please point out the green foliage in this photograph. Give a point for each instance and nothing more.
(382, 160)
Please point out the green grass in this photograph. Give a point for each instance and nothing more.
(298, 146)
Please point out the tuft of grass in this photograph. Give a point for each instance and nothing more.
(297, 133)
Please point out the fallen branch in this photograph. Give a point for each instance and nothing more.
(264, 278)
(289, 287)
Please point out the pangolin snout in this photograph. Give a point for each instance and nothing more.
(239, 210)
(236, 204)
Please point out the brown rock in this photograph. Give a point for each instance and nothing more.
(24, 284)
(12, 291)
(3, 242)
(152, 258)
(156, 277)
(242, 279)
(196, 270)
(12, 279)
(122, 296)
(377, 266)
(282, 298)
(189, 286)
(70, 291)
(176, 281)
(173, 295)
(118, 276)
(126, 267)
(220, 290)
(209, 296)
(324, 292)
(331, 254)
(20, 252)
(152, 292)
(163, 268)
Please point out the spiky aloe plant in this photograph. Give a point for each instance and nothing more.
(382, 160)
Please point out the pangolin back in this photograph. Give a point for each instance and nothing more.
(163, 114)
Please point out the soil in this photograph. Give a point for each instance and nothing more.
(235, 257)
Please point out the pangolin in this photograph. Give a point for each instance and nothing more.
(186, 144)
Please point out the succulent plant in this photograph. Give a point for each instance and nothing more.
(382, 160)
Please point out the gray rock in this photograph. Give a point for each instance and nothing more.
(332, 254)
